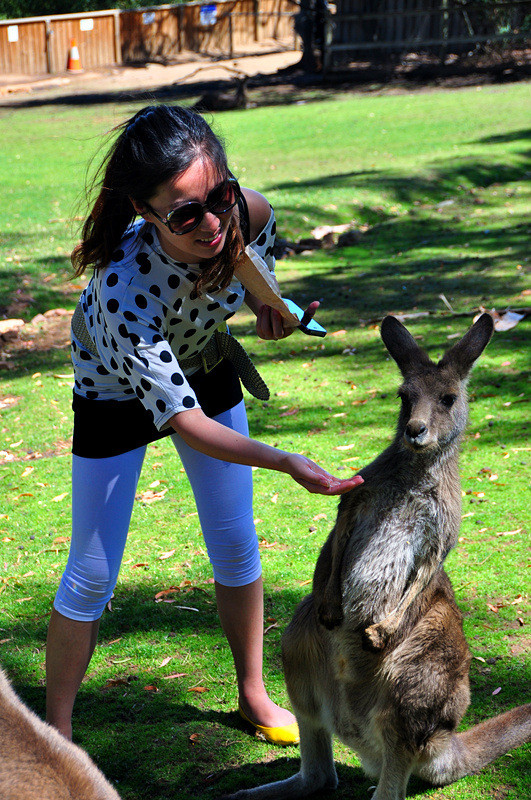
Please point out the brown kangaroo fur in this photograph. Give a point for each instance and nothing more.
(376, 655)
(38, 763)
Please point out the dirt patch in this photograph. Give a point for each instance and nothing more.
(45, 332)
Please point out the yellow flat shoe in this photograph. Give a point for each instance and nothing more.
(284, 735)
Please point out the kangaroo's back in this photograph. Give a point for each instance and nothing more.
(38, 763)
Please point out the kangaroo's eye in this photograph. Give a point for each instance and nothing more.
(448, 400)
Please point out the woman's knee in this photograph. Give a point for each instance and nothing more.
(84, 592)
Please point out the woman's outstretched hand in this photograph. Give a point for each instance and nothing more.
(315, 479)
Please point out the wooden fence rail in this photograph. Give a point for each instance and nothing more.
(37, 45)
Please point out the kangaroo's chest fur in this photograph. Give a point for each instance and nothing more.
(393, 532)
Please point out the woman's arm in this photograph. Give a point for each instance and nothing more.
(216, 440)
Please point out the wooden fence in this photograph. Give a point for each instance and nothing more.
(37, 45)
(368, 30)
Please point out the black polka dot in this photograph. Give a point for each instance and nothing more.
(190, 332)
(91, 321)
(141, 301)
(147, 236)
(274, 227)
(174, 281)
(163, 259)
(146, 384)
(165, 356)
(122, 330)
(130, 317)
(92, 395)
(101, 370)
(139, 393)
(154, 290)
(129, 362)
(126, 369)
(84, 356)
(232, 298)
(174, 321)
(194, 313)
(182, 349)
(113, 306)
(117, 255)
(114, 344)
(262, 239)
(104, 342)
(87, 382)
(129, 391)
(161, 405)
(229, 315)
(123, 381)
(201, 340)
(74, 346)
(178, 303)
(89, 300)
(177, 379)
(157, 338)
(135, 339)
(112, 279)
(212, 306)
(113, 364)
(144, 263)
(188, 402)
(209, 323)
(157, 321)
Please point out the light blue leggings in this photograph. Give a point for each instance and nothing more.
(103, 492)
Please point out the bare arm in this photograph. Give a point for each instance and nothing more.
(216, 440)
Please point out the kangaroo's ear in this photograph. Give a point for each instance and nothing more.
(402, 346)
(462, 355)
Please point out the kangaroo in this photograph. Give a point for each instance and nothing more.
(38, 763)
(376, 655)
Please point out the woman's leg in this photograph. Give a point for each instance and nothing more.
(103, 492)
(223, 494)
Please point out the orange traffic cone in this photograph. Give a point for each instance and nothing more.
(74, 64)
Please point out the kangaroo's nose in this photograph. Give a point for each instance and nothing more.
(415, 428)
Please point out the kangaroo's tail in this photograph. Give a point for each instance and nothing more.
(470, 751)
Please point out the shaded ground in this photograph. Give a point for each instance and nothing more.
(274, 78)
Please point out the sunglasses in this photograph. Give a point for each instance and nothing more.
(189, 216)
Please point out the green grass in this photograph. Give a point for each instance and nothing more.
(438, 182)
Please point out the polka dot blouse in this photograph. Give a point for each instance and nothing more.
(141, 313)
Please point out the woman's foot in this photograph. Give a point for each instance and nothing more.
(271, 722)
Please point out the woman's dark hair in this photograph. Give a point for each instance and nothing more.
(153, 146)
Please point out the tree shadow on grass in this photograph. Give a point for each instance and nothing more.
(159, 744)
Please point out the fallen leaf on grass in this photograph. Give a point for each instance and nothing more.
(269, 627)
(265, 544)
(168, 554)
(165, 661)
(497, 691)
(175, 675)
(274, 498)
(112, 683)
(150, 688)
(344, 447)
(509, 533)
(150, 496)
(291, 412)
(198, 689)
(59, 497)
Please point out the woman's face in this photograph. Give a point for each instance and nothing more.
(194, 184)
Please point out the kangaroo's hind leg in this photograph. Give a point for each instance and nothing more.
(317, 770)
(397, 765)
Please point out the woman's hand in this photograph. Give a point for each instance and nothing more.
(315, 479)
(271, 325)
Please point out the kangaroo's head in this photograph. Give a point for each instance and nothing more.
(434, 400)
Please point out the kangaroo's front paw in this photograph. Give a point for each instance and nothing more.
(330, 615)
(375, 637)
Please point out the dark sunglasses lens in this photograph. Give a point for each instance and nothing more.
(223, 197)
(186, 218)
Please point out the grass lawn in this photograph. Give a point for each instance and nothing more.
(436, 182)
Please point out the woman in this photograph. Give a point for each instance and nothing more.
(161, 287)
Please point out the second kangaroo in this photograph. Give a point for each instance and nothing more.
(376, 655)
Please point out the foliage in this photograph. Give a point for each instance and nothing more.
(435, 183)
(16, 9)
